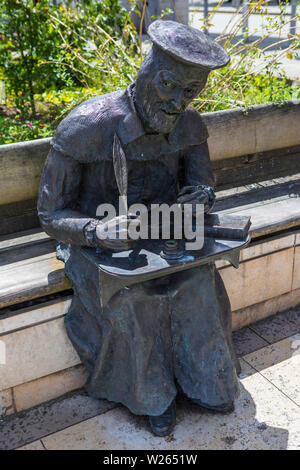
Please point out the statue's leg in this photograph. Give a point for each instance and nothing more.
(204, 361)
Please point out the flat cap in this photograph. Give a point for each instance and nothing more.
(188, 45)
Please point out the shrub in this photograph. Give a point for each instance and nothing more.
(40, 43)
(25, 38)
(254, 74)
(98, 51)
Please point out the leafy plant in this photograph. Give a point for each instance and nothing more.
(25, 38)
(98, 42)
(96, 49)
(107, 64)
(40, 44)
(16, 129)
(255, 74)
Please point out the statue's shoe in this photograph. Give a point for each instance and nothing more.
(224, 408)
(163, 425)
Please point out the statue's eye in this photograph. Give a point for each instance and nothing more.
(167, 84)
(189, 92)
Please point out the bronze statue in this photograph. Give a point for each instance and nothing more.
(173, 332)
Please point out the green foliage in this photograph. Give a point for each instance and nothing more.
(15, 130)
(84, 48)
(42, 45)
(257, 89)
(245, 90)
(98, 42)
(84, 30)
(255, 74)
(25, 38)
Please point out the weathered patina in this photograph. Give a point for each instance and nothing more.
(152, 337)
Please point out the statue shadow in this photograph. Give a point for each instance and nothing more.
(201, 429)
(126, 260)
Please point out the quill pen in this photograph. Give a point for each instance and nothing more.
(121, 173)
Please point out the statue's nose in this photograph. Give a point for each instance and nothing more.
(177, 99)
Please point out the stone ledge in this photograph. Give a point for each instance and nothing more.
(6, 403)
(259, 279)
(32, 316)
(28, 274)
(35, 352)
(265, 309)
(47, 388)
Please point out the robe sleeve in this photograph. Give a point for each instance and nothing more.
(197, 167)
(58, 199)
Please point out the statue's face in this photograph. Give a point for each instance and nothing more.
(168, 94)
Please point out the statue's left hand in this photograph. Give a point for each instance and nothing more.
(199, 194)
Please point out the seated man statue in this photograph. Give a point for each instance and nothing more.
(163, 335)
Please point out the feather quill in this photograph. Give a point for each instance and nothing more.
(120, 169)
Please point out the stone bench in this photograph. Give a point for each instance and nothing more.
(41, 363)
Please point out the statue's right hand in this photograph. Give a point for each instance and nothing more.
(113, 234)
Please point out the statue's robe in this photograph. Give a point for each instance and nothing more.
(156, 334)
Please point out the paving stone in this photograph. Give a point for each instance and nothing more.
(27, 427)
(36, 445)
(246, 341)
(279, 326)
(280, 364)
(246, 369)
(264, 419)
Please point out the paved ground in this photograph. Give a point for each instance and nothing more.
(267, 414)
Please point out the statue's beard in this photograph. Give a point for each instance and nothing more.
(160, 116)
